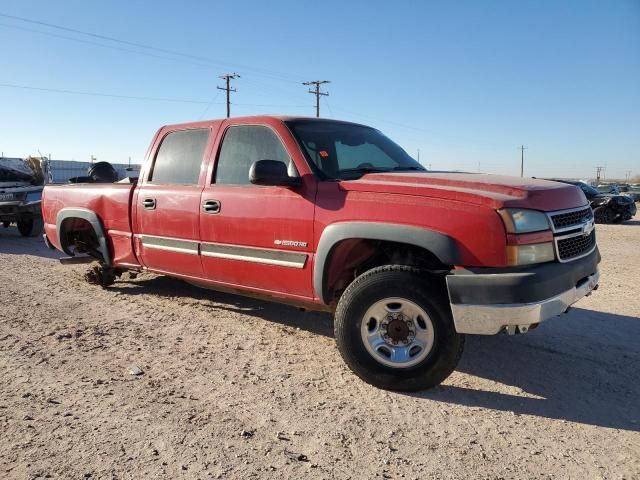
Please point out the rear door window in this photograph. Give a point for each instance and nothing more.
(179, 157)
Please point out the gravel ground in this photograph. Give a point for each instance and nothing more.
(238, 388)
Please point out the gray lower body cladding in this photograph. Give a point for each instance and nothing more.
(487, 301)
(479, 286)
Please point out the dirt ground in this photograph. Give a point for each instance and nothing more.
(238, 388)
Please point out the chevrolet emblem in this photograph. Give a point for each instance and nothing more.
(587, 228)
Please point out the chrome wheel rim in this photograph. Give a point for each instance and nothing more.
(397, 332)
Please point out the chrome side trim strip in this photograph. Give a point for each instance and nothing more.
(232, 252)
(254, 255)
(170, 244)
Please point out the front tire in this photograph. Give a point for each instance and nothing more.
(394, 329)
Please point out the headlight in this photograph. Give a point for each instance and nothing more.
(517, 220)
(33, 197)
(528, 254)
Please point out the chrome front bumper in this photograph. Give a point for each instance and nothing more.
(518, 317)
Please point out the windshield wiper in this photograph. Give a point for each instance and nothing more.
(361, 171)
(401, 168)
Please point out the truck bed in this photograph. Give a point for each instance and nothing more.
(111, 203)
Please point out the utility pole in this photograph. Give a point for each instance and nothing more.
(522, 149)
(599, 170)
(227, 77)
(317, 92)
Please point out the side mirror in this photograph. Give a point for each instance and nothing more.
(272, 172)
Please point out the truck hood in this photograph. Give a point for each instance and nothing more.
(495, 191)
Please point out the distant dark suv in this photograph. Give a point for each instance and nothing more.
(21, 184)
(607, 207)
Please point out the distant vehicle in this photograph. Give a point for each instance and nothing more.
(21, 184)
(630, 191)
(634, 192)
(608, 188)
(621, 189)
(607, 207)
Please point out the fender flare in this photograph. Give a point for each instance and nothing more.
(441, 245)
(92, 218)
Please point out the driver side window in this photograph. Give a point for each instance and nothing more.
(242, 145)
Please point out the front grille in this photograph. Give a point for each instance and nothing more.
(576, 246)
(562, 221)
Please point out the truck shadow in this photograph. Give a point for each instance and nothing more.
(12, 243)
(583, 367)
(314, 322)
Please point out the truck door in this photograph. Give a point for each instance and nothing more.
(168, 203)
(257, 236)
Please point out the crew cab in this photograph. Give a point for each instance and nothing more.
(334, 216)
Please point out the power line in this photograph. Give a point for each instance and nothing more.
(206, 109)
(113, 47)
(99, 94)
(377, 119)
(165, 54)
(257, 71)
(329, 107)
(227, 77)
(269, 105)
(136, 97)
(317, 92)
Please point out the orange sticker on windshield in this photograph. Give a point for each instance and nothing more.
(323, 153)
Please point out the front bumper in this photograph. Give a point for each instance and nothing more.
(487, 301)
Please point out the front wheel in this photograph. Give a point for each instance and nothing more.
(394, 329)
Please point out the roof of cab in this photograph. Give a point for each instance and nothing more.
(255, 118)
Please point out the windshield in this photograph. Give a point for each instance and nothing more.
(588, 189)
(346, 151)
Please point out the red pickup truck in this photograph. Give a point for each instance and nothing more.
(334, 216)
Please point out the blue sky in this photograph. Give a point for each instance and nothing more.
(465, 82)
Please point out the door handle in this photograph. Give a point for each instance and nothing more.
(149, 203)
(211, 206)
